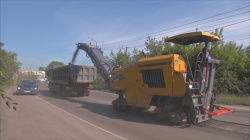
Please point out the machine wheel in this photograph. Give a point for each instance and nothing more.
(83, 93)
(191, 117)
(50, 90)
(120, 103)
(174, 118)
(116, 104)
(60, 92)
(80, 93)
(170, 110)
(64, 93)
(87, 93)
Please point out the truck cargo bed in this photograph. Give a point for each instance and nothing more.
(73, 74)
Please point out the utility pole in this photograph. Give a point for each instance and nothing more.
(93, 40)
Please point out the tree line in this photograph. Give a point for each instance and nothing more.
(232, 74)
(9, 66)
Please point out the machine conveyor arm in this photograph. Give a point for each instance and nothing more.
(96, 55)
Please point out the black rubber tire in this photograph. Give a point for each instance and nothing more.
(50, 90)
(80, 94)
(87, 93)
(63, 93)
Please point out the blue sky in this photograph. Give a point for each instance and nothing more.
(41, 31)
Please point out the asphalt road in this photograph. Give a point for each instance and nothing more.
(48, 116)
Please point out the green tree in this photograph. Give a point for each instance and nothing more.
(154, 47)
(42, 68)
(100, 83)
(1, 44)
(30, 76)
(54, 63)
(247, 51)
(232, 68)
(232, 73)
(121, 57)
(8, 66)
(137, 54)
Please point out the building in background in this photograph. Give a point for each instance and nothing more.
(33, 72)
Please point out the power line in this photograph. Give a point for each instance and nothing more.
(126, 42)
(237, 29)
(234, 24)
(203, 28)
(85, 61)
(208, 30)
(242, 38)
(145, 45)
(243, 20)
(177, 26)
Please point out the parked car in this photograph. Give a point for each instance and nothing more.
(27, 87)
(42, 79)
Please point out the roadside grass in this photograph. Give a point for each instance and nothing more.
(6, 85)
(231, 99)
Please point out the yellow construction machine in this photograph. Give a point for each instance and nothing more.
(178, 91)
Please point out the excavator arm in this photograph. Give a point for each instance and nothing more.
(97, 57)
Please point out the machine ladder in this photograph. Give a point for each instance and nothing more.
(196, 96)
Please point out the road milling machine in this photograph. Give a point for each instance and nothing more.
(178, 91)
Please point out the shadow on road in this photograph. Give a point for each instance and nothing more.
(135, 115)
(19, 94)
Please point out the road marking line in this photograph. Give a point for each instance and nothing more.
(104, 92)
(237, 107)
(82, 119)
(108, 103)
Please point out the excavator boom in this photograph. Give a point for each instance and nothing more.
(97, 57)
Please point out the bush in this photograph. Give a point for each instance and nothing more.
(100, 83)
(232, 99)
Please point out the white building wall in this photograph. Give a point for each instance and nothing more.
(34, 72)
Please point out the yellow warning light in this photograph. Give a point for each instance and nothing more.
(208, 106)
(194, 100)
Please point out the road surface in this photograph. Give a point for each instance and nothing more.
(48, 117)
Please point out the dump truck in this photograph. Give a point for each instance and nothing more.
(178, 91)
(71, 79)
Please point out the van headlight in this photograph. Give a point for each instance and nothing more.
(18, 88)
(35, 88)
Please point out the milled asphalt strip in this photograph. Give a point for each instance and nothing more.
(247, 108)
(100, 101)
(82, 119)
(104, 92)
